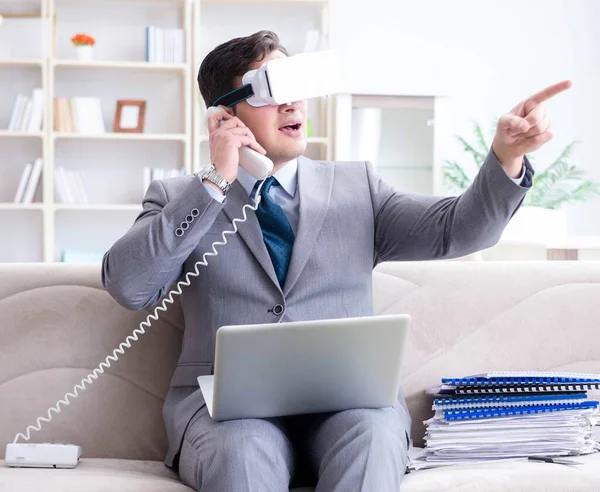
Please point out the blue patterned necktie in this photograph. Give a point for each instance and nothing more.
(277, 231)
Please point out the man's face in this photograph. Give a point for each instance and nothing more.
(281, 130)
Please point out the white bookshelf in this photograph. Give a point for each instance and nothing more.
(111, 164)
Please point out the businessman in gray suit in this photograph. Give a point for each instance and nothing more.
(307, 253)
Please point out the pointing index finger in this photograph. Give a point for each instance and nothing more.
(550, 91)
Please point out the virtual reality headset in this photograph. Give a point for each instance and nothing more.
(285, 80)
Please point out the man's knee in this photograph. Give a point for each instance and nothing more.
(258, 441)
(382, 427)
(227, 451)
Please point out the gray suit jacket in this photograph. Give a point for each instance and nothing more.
(349, 221)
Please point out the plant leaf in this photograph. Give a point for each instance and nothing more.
(478, 157)
(455, 176)
(480, 138)
(560, 160)
(581, 193)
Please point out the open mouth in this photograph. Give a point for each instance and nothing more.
(292, 130)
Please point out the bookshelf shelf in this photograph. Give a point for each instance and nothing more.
(11, 134)
(98, 207)
(21, 206)
(142, 65)
(121, 136)
(21, 62)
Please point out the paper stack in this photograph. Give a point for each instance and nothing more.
(507, 415)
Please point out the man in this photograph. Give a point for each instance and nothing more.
(308, 253)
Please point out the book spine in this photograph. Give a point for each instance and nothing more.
(19, 195)
(34, 179)
(500, 399)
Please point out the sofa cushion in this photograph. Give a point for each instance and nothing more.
(107, 475)
(94, 475)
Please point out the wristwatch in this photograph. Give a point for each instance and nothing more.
(213, 176)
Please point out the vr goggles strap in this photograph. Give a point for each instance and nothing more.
(235, 96)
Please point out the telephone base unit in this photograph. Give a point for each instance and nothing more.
(46, 455)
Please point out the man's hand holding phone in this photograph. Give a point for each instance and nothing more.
(227, 134)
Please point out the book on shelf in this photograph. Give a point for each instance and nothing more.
(30, 178)
(69, 186)
(78, 115)
(27, 113)
(152, 173)
(80, 256)
(165, 45)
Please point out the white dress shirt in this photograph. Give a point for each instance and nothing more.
(285, 195)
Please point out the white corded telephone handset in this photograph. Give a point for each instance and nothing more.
(48, 455)
(256, 164)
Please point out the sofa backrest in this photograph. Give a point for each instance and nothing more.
(57, 324)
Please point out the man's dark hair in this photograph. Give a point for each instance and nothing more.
(232, 59)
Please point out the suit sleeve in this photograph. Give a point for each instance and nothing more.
(141, 266)
(417, 227)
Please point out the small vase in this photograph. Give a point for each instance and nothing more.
(85, 52)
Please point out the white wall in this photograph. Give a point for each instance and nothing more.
(486, 55)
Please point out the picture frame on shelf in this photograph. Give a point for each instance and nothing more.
(130, 116)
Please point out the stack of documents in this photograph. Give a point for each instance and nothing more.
(499, 416)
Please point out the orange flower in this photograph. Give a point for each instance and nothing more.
(83, 40)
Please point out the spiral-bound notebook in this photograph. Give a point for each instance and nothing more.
(496, 401)
(474, 414)
(528, 374)
(545, 388)
(518, 380)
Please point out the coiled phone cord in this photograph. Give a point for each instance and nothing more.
(105, 364)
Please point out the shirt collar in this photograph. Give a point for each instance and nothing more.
(287, 176)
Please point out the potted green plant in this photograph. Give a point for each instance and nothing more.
(541, 216)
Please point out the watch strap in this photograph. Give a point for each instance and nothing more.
(213, 176)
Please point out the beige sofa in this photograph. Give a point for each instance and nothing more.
(57, 323)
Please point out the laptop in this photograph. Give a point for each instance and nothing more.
(303, 367)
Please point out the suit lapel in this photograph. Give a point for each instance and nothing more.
(315, 181)
(249, 230)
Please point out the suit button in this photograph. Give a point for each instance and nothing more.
(184, 225)
(189, 219)
(278, 309)
(179, 232)
(195, 212)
